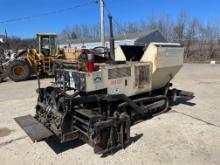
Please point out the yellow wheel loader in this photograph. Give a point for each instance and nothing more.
(27, 62)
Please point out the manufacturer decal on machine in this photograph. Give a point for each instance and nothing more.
(116, 82)
(97, 79)
(115, 91)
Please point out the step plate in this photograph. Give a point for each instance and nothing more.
(33, 128)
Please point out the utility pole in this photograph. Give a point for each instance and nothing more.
(102, 23)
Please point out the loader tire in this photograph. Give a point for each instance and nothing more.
(19, 71)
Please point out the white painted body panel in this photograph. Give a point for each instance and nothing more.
(122, 83)
(167, 59)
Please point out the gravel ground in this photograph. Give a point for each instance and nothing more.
(188, 134)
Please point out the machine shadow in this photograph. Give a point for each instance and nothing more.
(184, 101)
(59, 148)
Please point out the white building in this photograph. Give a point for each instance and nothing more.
(1, 40)
(90, 45)
(141, 39)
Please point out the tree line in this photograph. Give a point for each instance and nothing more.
(16, 43)
(201, 38)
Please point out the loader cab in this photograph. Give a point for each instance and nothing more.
(47, 44)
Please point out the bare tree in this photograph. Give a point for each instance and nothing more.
(200, 39)
(180, 27)
(212, 31)
(165, 25)
(132, 27)
(152, 23)
(190, 37)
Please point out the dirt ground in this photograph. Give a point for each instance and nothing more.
(188, 134)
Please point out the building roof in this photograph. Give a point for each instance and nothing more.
(47, 34)
(152, 36)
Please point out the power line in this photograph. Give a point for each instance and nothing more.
(116, 22)
(48, 13)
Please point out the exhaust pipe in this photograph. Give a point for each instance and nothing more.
(112, 40)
